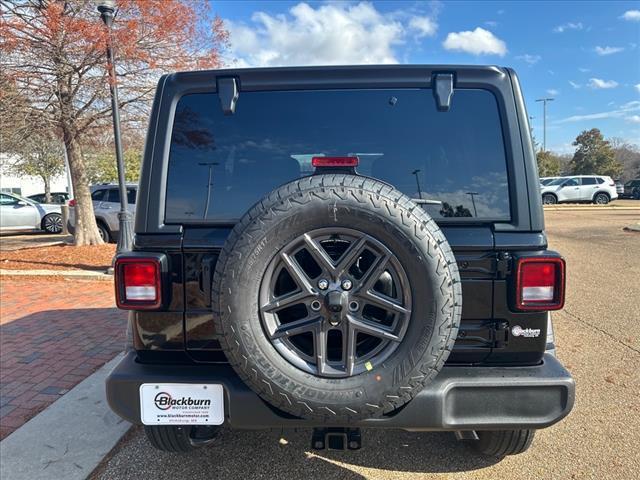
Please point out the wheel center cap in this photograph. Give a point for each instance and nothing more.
(336, 302)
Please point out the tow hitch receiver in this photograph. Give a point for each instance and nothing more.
(336, 439)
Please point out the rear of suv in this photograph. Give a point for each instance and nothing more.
(596, 189)
(338, 248)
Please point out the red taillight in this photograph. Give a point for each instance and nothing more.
(334, 161)
(72, 202)
(540, 283)
(138, 283)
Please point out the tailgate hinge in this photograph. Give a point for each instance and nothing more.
(503, 264)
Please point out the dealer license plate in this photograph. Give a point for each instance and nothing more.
(181, 404)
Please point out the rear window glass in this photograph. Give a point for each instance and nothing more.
(452, 162)
(588, 181)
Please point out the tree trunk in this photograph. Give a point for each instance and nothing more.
(47, 189)
(86, 230)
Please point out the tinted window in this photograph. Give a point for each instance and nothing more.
(588, 181)
(220, 165)
(572, 182)
(600, 180)
(114, 195)
(7, 200)
(98, 195)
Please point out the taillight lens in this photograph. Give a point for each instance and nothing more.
(334, 161)
(72, 202)
(138, 283)
(540, 283)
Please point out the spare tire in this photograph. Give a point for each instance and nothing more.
(336, 298)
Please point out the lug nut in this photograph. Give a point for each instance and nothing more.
(354, 306)
(323, 284)
(346, 284)
(316, 305)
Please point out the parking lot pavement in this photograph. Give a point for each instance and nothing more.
(597, 339)
(53, 334)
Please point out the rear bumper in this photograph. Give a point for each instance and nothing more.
(460, 398)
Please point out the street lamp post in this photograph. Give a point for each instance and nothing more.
(107, 11)
(544, 121)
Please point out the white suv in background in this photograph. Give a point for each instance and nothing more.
(106, 205)
(580, 188)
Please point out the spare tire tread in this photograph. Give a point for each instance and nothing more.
(377, 195)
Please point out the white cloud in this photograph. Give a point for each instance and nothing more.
(574, 84)
(491, 23)
(633, 119)
(477, 42)
(599, 83)
(584, 70)
(530, 59)
(608, 50)
(329, 34)
(423, 26)
(623, 111)
(631, 15)
(568, 26)
(637, 86)
(553, 92)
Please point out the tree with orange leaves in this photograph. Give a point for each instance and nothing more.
(53, 53)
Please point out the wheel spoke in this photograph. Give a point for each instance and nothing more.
(285, 301)
(297, 273)
(349, 336)
(295, 328)
(372, 275)
(320, 349)
(383, 301)
(319, 255)
(348, 257)
(370, 328)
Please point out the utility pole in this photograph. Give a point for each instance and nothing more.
(473, 201)
(544, 121)
(416, 172)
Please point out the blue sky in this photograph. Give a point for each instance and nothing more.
(586, 55)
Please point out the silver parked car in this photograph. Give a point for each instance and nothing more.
(18, 213)
(106, 205)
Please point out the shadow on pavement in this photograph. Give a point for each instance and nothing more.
(238, 454)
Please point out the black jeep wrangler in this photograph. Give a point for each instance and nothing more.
(339, 248)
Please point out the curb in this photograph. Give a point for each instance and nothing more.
(69, 438)
(70, 274)
(559, 208)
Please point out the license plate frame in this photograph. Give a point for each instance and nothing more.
(181, 404)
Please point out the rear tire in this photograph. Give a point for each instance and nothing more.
(500, 443)
(105, 235)
(179, 439)
(549, 199)
(601, 199)
(52, 223)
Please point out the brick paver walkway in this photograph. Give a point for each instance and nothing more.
(53, 334)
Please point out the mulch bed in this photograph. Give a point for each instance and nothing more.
(59, 257)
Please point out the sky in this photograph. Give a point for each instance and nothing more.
(585, 55)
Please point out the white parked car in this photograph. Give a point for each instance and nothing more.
(597, 189)
(18, 213)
